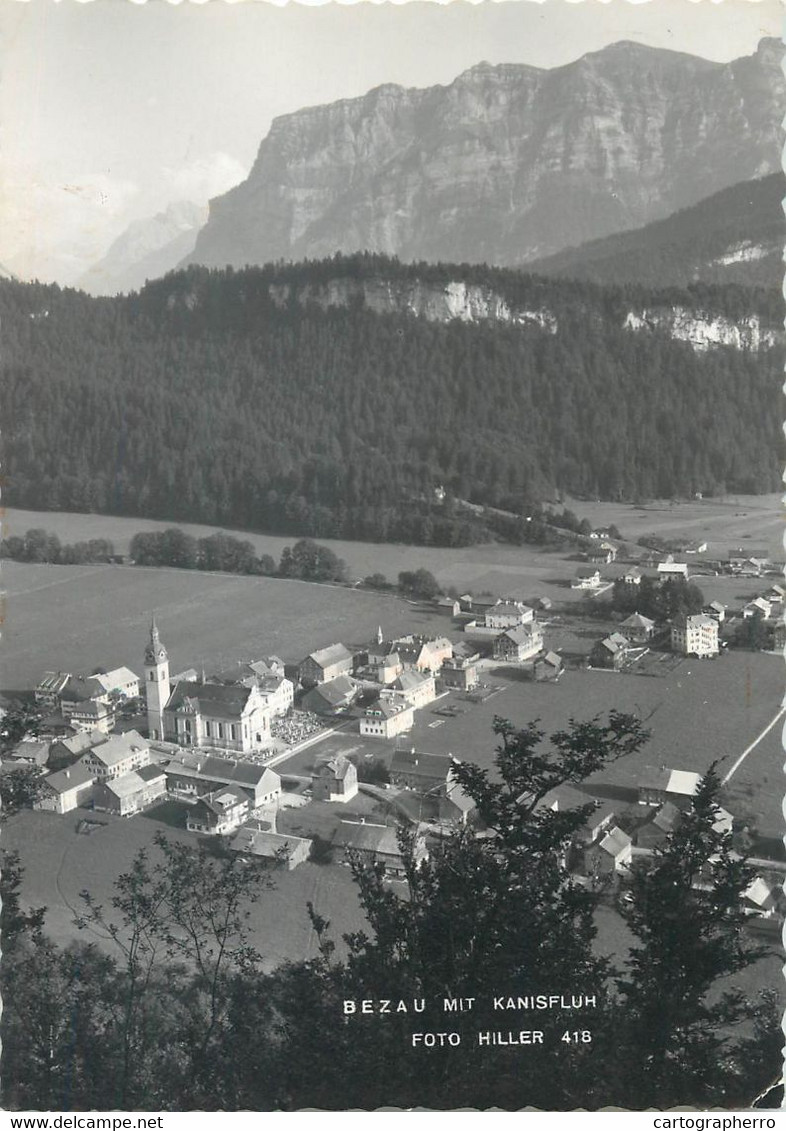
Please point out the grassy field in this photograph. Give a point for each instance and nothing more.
(60, 862)
(747, 522)
(750, 522)
(78, 617)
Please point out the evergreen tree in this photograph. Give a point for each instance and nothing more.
(686, 915)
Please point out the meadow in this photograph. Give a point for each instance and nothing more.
(74, 618)
(725, 524)
(59, 862)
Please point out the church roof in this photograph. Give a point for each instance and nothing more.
(216, 700)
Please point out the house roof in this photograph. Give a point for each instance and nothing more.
(758, 891)
(552, 659)
(216, 700)
(610, 645)
(388, 708)
(509, 607)
(31, 750)
(411, 679)
(116, 678)
(636, 620)
(335, 693)
(456, 794)
(585, 572)
(632, 571)
(263, 842)
(615, 842)
(367, 838)
(70, 778)
(698, 620)
(222, 799)
(81, 688)
(118, 747)
(682, 782)
(667, 817)
(519, 634)
(337, 767)
(209, 768)
(53, 682)
(126, 785)
(83, 741)
(419, 764)
(150, 773)
(333, 654)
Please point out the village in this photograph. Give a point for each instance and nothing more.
(312, 761)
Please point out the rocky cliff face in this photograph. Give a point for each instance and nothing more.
(458, 300)
(507, 163)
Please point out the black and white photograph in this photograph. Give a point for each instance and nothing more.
(392, 656)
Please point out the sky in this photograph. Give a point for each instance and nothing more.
(112, 110)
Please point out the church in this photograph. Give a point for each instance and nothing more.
(202, 714)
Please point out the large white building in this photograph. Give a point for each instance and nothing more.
(202, 714)
(695, 635)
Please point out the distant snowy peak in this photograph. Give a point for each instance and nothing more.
(147, 249)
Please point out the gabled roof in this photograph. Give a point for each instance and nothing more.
(126, 785)
(118, 747)
(419, 764)
(333, 654)
(118, 676)
(335, 693)
(228, 797)
(337, 768)
(216, 700)
(519, 634)
(264, 842)
(150, 773)
(81, 689)
(367, 838)
(209, 768)
(667, 817)
(586, 572)
(388, 708)
(717, 606)
(615, 842)
(456, 794)
(698, 620)
(71, 778)
(83, 741)
(758, 892)
(682, 782)
(552, 659)
(411, 679)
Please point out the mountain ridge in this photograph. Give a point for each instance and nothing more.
(506, 164)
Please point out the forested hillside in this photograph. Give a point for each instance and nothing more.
(734, 236)
(209, 397)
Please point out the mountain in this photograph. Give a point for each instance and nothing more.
(508, 163)
(147, 249)
(334, 398)
(734, 236)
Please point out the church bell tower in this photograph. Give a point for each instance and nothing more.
(156, 682)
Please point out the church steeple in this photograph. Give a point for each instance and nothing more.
(155, 653)
(157, 690)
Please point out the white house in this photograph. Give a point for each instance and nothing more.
(695, 635)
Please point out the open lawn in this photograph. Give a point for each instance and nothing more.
(76, 618)
(59, 862)
(747, 522)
